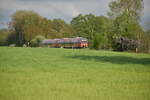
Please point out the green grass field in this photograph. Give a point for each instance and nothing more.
(73, 74)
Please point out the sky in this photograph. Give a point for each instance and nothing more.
(64, 9)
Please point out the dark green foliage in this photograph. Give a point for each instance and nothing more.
(12, 38)
(61, 29)
(36, 41)
(92, 27)
(145, 43)
(96, 42)
(126, 26)
(4, 33)
(84, 25)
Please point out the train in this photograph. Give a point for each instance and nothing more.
(77, 42)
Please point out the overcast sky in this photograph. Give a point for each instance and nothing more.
(64, 9)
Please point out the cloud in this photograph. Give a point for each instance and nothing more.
(145, 22)
(43, 8)
(63, 0)
(65, 9)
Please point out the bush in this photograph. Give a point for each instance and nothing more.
(96, 42)
(100, 41)
(4, 33)
(36, 41)
(33, 43)
(145, 43)
(12, 45)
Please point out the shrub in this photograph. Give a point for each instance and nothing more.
(4, 33)
(36, 41)
(12, 45)
(96, 42)
(145, 43)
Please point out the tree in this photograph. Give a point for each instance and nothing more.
(22, 24)
(4, 33)
(131, 7)
(62, 29)
(126, 15)
(27, 24)
(91, 26)
(145, 42)
(104, 28)
(84, 25)
(96, 42)
(126, 26)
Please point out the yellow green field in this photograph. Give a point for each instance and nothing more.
(73, 74)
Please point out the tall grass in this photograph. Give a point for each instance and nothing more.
(73, 74)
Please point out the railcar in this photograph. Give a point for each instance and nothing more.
(78, 42)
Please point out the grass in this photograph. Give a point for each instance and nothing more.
(73, 74)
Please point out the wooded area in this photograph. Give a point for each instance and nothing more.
(103, 32)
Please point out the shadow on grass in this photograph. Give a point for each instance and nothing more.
(113, 59)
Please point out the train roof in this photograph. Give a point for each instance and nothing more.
(65, 40)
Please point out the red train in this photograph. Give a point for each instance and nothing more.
(78, 42)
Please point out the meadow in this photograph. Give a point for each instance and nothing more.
(73, 74)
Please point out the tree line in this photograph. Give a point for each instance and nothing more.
(120, 30)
